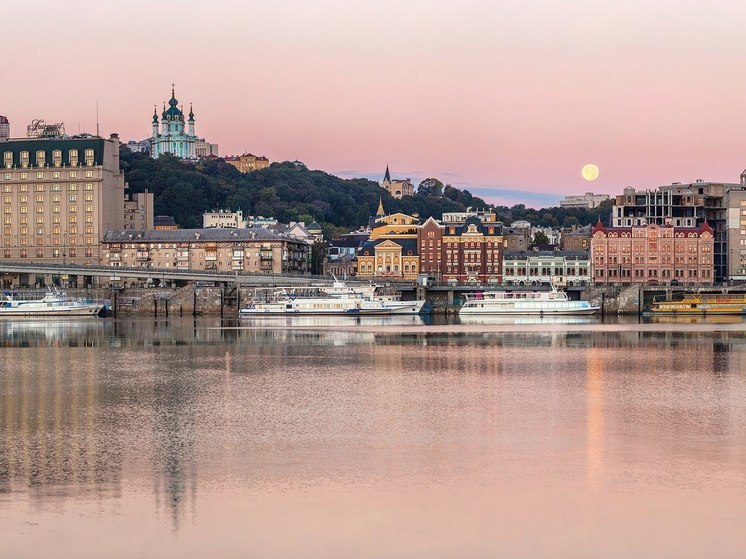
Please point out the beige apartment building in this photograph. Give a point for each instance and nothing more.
(139, 211)
(735, 204)
(219, 249)
(58, 196)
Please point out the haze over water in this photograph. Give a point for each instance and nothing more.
(143, 438)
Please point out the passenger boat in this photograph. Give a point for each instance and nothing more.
(541, 303)
(372, 292)
(698, 305)
(291, 303)
(53, 303)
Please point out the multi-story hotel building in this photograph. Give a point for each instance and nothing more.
(58, 196)
(652, 254)
(219, 249)
(559, 268)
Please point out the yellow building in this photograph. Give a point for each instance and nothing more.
(248, 162)
(391, 249)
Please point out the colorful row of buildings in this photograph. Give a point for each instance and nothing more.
(474, 248)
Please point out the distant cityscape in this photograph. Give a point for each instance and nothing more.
(64, 200)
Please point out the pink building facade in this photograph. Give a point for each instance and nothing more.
(652, 254)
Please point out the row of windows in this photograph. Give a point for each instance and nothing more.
(56, 253)
(23, 199)
(7, 188)
(24, 241)
(55, 209)
(56, 230)
(41, 158)
(41, 175)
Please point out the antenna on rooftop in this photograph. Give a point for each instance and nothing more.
(97, 130)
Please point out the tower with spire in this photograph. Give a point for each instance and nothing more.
(397, 187)
(172, 137)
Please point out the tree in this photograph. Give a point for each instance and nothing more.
(540, 238)
(430, 187)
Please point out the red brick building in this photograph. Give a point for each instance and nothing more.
(468, 252)
(652, 254)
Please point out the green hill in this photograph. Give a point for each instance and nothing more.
(290, 192)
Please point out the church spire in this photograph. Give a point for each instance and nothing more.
(387, 176)
(381, 212)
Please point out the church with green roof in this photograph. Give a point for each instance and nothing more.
(172, 138)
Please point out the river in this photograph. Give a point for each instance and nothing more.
(383, 438)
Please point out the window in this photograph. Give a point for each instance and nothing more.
(40, 199)
(55, 188)
(89, 197)
(89, 207)
(73, 174)
(72, 186)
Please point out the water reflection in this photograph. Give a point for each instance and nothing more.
(316, 433)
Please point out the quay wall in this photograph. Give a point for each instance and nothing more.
(225, 301)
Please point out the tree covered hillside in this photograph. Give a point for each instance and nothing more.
(290, 192)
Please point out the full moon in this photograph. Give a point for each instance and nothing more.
(590, 172)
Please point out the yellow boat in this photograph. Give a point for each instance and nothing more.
(699, 304)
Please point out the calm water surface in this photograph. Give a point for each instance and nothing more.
(324, 438)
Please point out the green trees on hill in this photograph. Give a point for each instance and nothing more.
(290, 192)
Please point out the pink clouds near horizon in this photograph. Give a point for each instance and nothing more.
(493, 93)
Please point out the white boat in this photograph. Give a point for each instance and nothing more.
(53, 303)
(543, 303)
(371, 292)
(291, 303)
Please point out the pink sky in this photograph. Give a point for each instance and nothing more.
(510, 96)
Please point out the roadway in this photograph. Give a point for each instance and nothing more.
(165, 274)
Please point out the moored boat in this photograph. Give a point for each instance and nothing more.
(698, 304)
(541, 303)
(289, 303)
(53, 303)
(373, 292)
